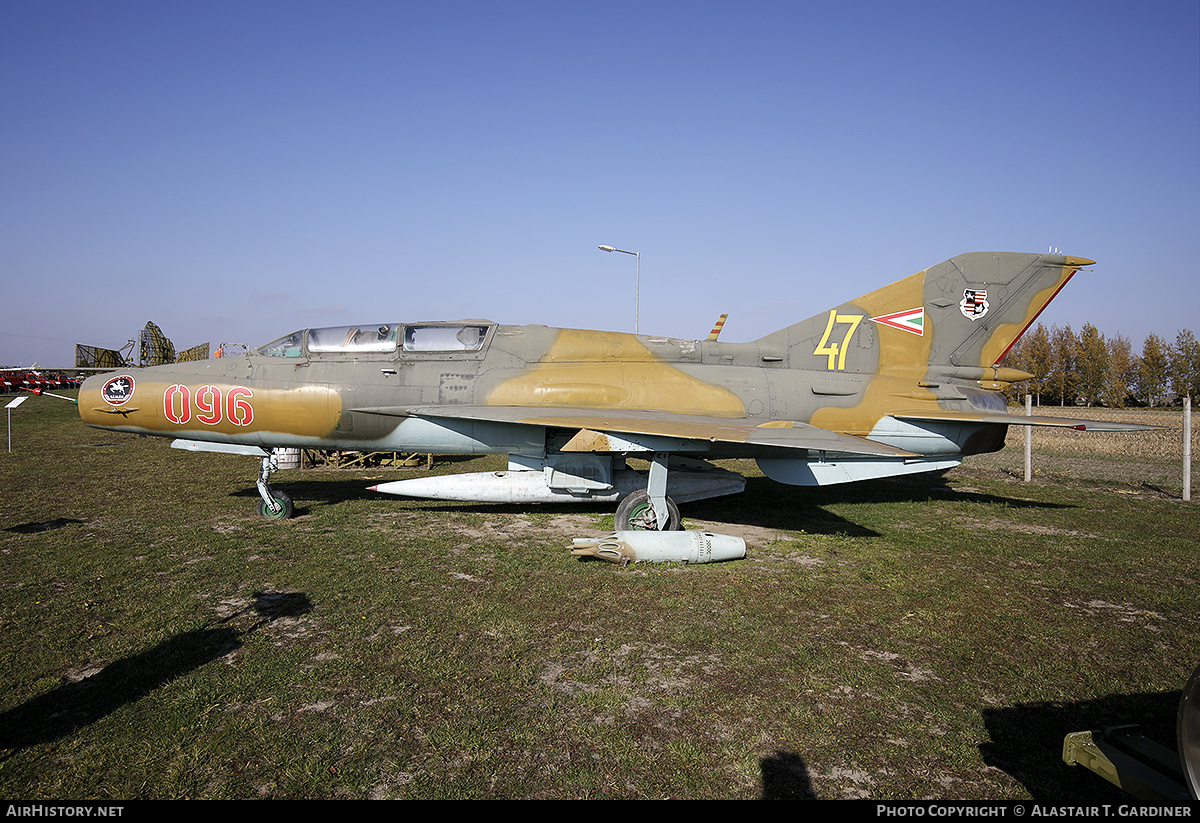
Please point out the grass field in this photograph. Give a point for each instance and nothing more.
(933, 638)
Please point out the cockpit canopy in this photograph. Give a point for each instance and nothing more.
(380, 339)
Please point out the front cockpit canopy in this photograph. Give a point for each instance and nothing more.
(287, 346)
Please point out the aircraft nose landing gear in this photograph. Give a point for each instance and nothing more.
(275, 504)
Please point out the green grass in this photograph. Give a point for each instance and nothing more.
(932, 638)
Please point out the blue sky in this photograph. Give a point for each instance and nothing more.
(236, 170)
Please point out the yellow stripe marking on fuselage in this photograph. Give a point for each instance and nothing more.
(611, 370)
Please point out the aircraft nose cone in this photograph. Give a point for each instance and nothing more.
(89, 395)
(92, 383)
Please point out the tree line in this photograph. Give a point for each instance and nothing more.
(1089, 369)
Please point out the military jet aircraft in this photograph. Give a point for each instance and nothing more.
(901, 380)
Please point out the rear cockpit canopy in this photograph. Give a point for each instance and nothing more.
(444, 337)
(381, 339)
(353, 339)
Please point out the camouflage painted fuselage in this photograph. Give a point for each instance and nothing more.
(906, 371)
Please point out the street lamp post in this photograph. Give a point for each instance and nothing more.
(637, 279)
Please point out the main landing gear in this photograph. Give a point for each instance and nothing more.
(637, 513)
(651, 509)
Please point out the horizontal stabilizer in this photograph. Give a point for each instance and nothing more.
(1022, 420)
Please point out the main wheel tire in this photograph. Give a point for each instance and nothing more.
(286, 510)
(636, 513)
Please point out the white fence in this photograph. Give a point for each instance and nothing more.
(1159, 459)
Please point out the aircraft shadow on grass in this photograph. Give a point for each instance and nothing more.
(764, 503)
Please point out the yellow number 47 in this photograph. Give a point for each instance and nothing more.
(835, 350)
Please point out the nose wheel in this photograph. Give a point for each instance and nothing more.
(275, 504)
(284, 508)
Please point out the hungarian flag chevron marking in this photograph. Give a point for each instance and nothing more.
(912, 320)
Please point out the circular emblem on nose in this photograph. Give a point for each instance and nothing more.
(118, 390)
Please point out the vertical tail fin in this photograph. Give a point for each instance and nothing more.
(983, 302)
(957, 318)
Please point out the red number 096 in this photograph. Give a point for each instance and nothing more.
(210, 407)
